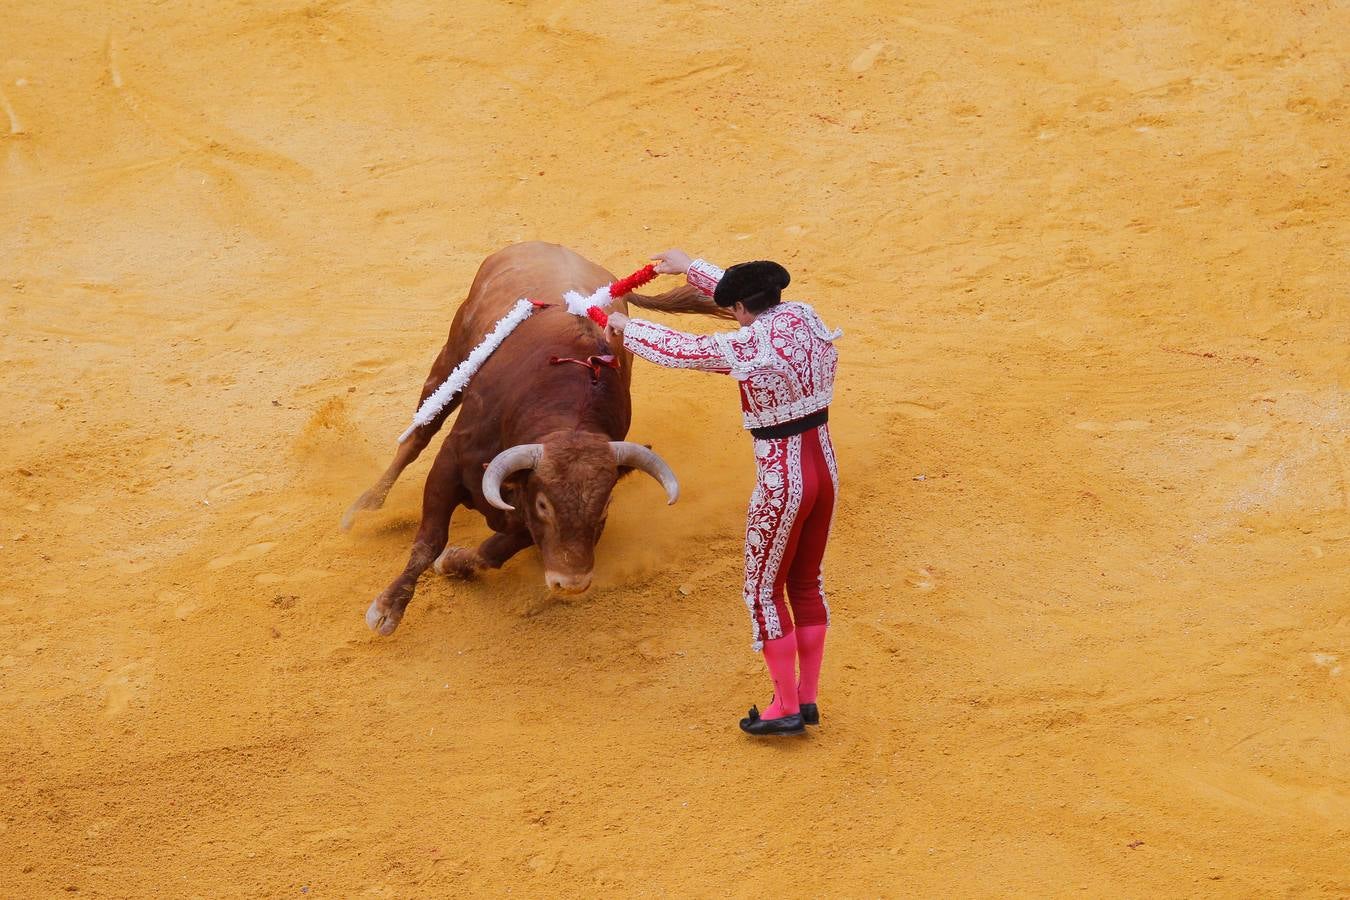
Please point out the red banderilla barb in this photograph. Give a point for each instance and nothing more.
(594, 363)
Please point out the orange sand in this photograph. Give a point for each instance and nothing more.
(1090, 573)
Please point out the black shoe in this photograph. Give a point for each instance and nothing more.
(810, 714)
(753, 724)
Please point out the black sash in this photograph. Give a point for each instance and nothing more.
(795, 427)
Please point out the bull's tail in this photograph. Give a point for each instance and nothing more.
(681, 300)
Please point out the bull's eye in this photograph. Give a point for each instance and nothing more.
(541, 506)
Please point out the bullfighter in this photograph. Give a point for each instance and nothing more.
(784, 359)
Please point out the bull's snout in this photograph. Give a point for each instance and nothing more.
(568, 584)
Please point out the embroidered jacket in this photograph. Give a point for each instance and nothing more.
(785, 360)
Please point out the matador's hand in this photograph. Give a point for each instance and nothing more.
(672, 262)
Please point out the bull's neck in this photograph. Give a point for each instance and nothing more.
(569, 402)
(567, 397)
(585, 420)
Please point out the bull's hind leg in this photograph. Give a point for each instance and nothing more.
(410, 449)
(442, 494)
(491, 554)
(374, 496)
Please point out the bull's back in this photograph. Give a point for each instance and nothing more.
(535, 270)
(517, 381)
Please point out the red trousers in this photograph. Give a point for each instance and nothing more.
(787, 528)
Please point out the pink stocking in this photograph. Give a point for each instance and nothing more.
(780, 655)
(811, 649)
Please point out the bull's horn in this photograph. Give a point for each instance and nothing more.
(512, 459)
(626, 453)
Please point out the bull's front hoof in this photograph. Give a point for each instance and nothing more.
(458, 562)
(568, 584)
(380, 620)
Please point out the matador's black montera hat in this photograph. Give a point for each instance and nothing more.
(744, 282)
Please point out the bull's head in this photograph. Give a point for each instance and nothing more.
(564, 496)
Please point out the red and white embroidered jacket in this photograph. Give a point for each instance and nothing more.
(785, 360)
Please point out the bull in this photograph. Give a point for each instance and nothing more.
(540, 439)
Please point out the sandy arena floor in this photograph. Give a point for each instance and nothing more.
(1090, 579)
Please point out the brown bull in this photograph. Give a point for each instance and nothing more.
(539, 443)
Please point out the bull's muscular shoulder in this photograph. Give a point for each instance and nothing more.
(531, 253)
(537, 266)
(530, 249)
